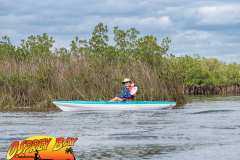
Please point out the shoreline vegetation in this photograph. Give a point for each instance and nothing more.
(33, 75)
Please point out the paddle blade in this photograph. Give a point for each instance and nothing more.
(134, 90)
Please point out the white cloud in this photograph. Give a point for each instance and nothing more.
(13, 19)
(146, 23)
(192, 35)
(213, 14)
(208, 44)
(219, 15)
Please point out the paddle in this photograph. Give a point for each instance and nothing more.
(134, 90)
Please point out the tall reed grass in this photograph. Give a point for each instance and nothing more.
(39, 82)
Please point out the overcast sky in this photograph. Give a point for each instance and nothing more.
(208, 28)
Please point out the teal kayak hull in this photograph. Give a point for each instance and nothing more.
(112, 105)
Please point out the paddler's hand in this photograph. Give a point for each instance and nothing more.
(132, 84)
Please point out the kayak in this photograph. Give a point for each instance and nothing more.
(112, 105)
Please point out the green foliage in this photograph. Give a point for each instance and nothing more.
(125, 40)
(203, 72)
(99, 39)
(34, 47)
(37, 46)
(42, 77)
(148, 51)
(7, 50)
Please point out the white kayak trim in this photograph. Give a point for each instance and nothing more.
(112, 105)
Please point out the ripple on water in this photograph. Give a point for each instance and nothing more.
(212, 111)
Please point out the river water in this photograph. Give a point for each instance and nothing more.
(208, 127)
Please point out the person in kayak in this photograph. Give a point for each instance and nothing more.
(128, 93)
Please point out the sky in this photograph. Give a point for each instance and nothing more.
(210, 29)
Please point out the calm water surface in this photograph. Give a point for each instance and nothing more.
(206, 128)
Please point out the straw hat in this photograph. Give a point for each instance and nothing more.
(126, 80)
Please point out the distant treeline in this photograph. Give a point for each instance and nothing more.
(32, 74)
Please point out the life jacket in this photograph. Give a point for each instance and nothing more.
(125, 94)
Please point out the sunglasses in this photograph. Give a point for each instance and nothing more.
(125, 82)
